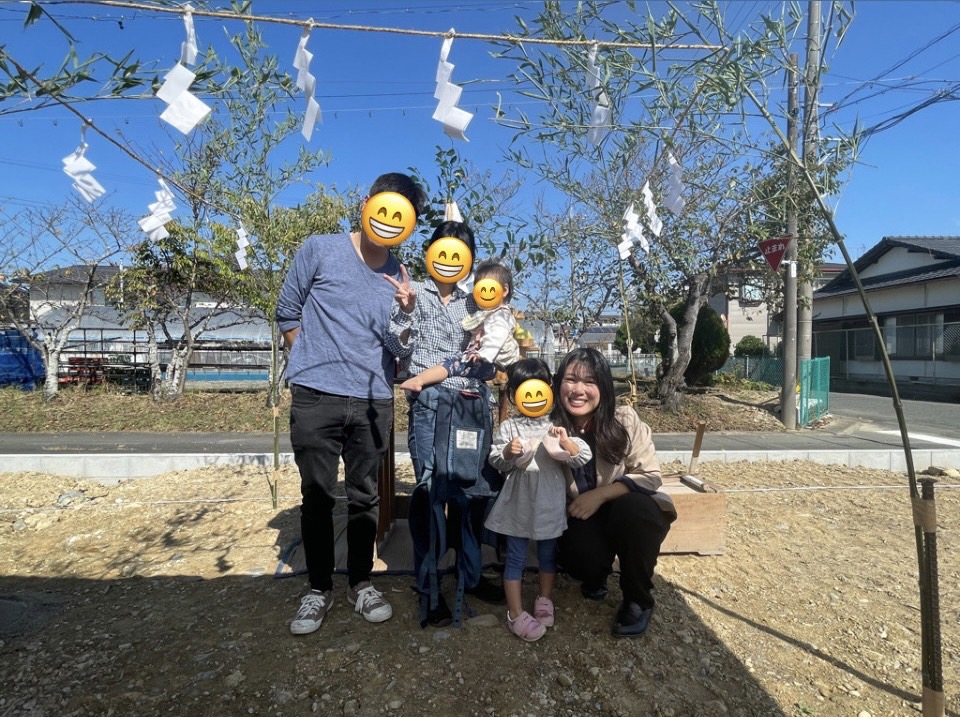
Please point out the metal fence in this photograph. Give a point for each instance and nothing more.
(763, 369)
(814, 399)
(924, 352)
(93, 355)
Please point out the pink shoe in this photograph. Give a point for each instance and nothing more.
(525, 627)
(543, 611)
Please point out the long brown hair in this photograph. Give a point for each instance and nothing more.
(610, 437)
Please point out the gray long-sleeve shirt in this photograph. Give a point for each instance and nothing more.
(342, 308)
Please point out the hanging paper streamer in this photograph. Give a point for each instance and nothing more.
(600, 118)
(447, 94)
(184, 111)
(632, 234)
(242, 244)
(188, 48)
(161, 212)
(79, 168)
(674, 200)
(306, 83)
(451, 212)
(653, 221)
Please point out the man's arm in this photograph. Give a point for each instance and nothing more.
(293, 294)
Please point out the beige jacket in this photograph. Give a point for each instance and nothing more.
(640, 464)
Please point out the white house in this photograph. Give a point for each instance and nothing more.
(913, 286)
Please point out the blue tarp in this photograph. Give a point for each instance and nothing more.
(20, 364)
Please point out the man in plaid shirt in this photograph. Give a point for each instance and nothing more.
(426, 327)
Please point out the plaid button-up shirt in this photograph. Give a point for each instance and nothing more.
(436, 331)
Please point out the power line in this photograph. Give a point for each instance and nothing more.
(312, 24)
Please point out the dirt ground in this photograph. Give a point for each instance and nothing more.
(157, 597)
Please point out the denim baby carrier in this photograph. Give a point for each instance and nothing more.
(460, 482)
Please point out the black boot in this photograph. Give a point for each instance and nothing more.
(632, 620)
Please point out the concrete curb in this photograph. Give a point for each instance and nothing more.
(112, 467)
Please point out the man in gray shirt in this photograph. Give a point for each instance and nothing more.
(334, 312)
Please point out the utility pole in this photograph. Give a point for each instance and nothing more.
(811, 93)
(788, 396)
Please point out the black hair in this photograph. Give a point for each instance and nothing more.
(457, 230)
(493, 269)
(609, 435)
(524, 370)
(403, 185)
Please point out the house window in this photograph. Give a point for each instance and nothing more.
(906, 336)
(890, 335)
(751, 292)
(914, 336)
(862, 340)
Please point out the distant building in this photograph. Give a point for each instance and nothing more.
(237, 339)
(913, 286)
(743, 307)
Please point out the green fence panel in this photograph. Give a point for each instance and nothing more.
(763, 369)
(814, 399)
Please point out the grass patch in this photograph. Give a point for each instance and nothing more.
(103, 408)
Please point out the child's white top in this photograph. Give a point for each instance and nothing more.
(497, 344)
(533, 501)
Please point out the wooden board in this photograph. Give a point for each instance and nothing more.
(701, 523)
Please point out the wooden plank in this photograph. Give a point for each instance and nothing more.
(701, 523)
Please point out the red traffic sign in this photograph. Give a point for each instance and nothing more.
(774, 249)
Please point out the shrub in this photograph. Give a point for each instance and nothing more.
(750, 346)
(710, 348)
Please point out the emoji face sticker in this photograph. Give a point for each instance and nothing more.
(488, 293)
(534, 398)
(448, 260)
(388, 218)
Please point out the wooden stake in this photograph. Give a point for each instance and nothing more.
(695, 458)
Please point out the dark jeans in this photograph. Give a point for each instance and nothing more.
(631, 527)
(323, 428)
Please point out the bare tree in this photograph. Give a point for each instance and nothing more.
(56, 262)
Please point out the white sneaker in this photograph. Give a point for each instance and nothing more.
(313, 608)
(369, 602)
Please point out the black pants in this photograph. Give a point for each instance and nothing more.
(632, 527)
(323, 428)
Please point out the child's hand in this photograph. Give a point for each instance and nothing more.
(514, 449)
(560, 433)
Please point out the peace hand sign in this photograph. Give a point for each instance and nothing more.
(405, 295)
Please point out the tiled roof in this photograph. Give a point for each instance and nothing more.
(944, 250)
(78, 274)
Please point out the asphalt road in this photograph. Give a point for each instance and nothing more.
(927, 422)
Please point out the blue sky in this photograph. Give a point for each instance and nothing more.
(376, 90)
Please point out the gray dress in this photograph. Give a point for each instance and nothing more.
(533, 501)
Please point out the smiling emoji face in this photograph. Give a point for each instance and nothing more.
(388, 218)
(534, 398)
(448, 260)
(488, 293)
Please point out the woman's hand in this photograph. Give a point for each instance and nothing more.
(405, 295)
(586, 504)
(514, 449)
